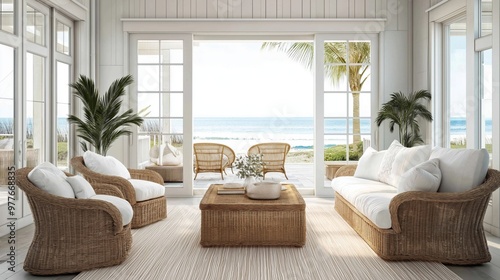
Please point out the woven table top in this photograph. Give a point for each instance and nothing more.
(290, 199)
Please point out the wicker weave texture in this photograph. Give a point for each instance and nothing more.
(273, 155)
(72, 235)
(212, 158)
(145, 212)
(441, 227)
(234, 220)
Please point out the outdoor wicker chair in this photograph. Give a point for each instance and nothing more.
(145, 212)
(73, 235)
(273, 156)
(212, 157)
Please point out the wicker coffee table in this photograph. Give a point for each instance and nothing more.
(235, 220)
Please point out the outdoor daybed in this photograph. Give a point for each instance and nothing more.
(430, 208)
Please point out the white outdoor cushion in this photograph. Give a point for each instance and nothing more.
(369, 164)
(145, 190)
(81, 187)
(172, 149)
(461, 169)
(49, 178)
(170, 160)
(375, 206)
(384, 173)
(425, 177)
(123, 206)
(106, 165)
(407, 158)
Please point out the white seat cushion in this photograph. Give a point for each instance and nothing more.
(370, 197)
(81, 187)
(461, 169)
(106, 165)
(145, 190)
(49, 178)
(375, 206)
(123, 206)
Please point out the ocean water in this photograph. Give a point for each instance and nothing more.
(241, 133)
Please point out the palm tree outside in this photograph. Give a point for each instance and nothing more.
(337, 56)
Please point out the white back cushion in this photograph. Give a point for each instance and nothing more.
(107, 165)
(120, 203)
(81, 187)
(425, 177)
(49, 178)
(461, 169)
(369, 164)
(408, 158)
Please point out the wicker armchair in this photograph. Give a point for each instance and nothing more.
(72, 235)
(145, 212)
(212, 157)
(441, 227)
(273, 155)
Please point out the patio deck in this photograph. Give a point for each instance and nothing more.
(299, 174)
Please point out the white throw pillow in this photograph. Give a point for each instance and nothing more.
(81, 187)
(369, 164)
(106, 165)
(425, 177)
(461, 169)
(49, 178)
(408, 158)
(384, 173)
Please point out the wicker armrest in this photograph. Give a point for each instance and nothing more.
(107, 189)
(439, 208)
(346, 170)
(85, 211)
(145, 174)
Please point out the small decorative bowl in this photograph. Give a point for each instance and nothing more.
(264, 190)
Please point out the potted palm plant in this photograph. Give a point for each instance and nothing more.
(102, 123)
(403, 110)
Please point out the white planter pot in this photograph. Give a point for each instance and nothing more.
(264, 190)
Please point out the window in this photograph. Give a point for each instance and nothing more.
(35, 108)
(455, 84)
(6, 112)
(347, 100)
(7, 12)
(63, 75)
(486, 17)
(62, 38)
(160, 91)
(486, 100)
(35, 26)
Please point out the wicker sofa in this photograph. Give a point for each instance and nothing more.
(445, 227)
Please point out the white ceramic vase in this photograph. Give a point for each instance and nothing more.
(264, 190)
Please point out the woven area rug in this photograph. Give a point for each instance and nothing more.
(170, 249)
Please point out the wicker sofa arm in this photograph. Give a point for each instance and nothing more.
(346, 170)
(438, 208)
(107, 189)
(146, 174)
(82, 211)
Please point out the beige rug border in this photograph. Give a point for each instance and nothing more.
(170, 249)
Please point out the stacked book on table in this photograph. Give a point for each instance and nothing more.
(231, 188)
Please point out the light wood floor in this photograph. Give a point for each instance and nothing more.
(24, 236)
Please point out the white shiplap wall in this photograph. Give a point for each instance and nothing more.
(259, 8)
